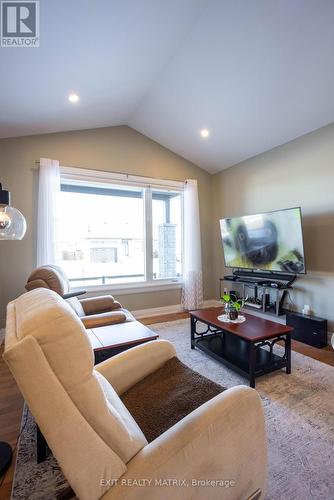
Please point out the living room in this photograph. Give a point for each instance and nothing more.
(132, 135)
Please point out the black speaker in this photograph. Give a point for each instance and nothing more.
(308, 329)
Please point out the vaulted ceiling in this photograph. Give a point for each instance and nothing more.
(255, 73)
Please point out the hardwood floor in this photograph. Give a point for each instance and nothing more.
(325, 355)
(11, 402)
(164, 317)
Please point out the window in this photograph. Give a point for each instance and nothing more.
(166, 234)
(119, 233)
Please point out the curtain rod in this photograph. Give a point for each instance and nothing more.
(37, 162)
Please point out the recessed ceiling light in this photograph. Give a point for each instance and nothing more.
(73, 98)
(205, 133)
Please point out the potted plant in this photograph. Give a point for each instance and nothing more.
(232, 305)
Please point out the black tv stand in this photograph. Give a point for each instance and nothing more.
(251, 276)
(230, 277)
(262, 283)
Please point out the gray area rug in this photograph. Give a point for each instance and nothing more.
(299, 411)
(34, 481)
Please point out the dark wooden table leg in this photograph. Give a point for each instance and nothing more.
(252, 362)
(192, 331)
(288, 353)
(42, 447)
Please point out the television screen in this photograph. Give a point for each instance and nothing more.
(270, 241)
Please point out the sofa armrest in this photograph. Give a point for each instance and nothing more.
(94, 305)
(223, 440)
(129, 367)
(103, 319)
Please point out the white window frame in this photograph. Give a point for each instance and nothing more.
(84, 176)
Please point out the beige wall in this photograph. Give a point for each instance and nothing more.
(300, 173)
(119, 149)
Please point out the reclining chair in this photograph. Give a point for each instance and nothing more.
(98, 444)
(93, 311)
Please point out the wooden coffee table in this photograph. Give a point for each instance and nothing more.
(246, 348)
(110, 340)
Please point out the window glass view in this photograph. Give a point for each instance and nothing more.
(105, 234)
(167, 240)
(102, 235)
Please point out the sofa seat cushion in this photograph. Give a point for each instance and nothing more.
(166, 396)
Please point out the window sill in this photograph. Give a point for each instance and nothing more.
(130, 288)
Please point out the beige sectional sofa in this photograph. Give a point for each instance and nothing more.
(93, 311)
(99, 446)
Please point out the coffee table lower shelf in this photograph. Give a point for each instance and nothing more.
(250, 360)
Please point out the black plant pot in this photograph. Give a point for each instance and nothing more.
(233, 314)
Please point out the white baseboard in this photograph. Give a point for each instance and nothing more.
(211, 303)
(159, 311)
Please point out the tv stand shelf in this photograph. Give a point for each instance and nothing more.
(264, 286)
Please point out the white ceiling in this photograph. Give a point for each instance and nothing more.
(256, 73)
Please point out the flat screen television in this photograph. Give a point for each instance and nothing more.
(271, 241)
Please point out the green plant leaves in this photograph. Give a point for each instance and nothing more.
(237, 304)
(226, 298)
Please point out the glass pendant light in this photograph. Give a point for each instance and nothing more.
(12, 227)
(12, 223)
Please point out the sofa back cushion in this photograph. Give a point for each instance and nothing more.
(45, 316)
(51, 277)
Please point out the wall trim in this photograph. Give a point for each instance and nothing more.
(176, 308)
